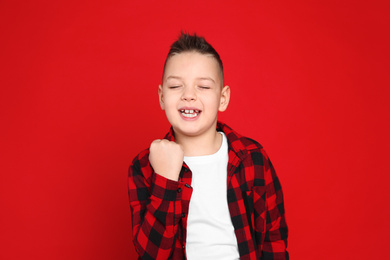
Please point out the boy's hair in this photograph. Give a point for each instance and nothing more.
(188, 43)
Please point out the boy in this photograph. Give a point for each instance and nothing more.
(204, 191)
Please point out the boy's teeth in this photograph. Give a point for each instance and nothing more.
(189, 112)
(189, 115)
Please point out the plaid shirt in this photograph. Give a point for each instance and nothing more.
(159, 206)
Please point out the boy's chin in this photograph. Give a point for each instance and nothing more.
(191, 130)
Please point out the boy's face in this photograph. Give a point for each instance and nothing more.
(191, 93)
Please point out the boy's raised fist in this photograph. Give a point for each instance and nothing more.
(166, 158)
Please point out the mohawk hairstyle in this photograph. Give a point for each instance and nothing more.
(195, 43)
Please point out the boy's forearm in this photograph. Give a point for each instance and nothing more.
(275, 242)
(156, 212)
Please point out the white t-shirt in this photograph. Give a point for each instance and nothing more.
(210, 232)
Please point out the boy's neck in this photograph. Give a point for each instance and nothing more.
(206, 144)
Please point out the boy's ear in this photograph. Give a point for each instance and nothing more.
(225, 98)
(160, 97)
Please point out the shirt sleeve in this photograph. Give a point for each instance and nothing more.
(155, 203)
(275, 241)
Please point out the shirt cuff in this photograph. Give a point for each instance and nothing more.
(165, 189)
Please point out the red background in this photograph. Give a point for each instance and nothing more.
(79, 81)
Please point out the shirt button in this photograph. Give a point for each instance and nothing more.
(188, 186)
(183, 215)
(185, 169)
(179, 190)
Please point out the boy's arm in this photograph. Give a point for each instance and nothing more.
(155, 203)
(275, 242)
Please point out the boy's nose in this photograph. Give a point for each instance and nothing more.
(189, 94)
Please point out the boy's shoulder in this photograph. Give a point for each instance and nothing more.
(237, 141)
(140, 163)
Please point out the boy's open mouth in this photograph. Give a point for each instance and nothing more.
(190, 112)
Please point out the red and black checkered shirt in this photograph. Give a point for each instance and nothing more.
(159, 206)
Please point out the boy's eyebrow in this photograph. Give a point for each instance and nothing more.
(207, 78)
(200, 78)
(173, 77)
